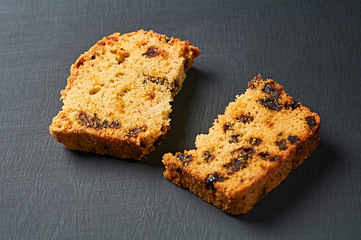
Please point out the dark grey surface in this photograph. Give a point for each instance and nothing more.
(47, 192)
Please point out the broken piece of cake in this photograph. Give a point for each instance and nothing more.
(119, 93)
(259, 140)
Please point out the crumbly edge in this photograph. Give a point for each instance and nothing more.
(109, 142)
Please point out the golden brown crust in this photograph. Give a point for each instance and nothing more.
(274, 135)
(118, 94)
(90, 140)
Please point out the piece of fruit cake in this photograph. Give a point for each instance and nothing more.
(259, 140)
(119, 93)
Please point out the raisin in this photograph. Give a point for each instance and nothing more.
(292, 104)
(264, 155)
(236, 165)
(85, 120)
(234, 138)
(160, 81)
(227, 126)
(269, 89)
(293, 139)
(185, 158)
(267, 156)
(115, 124)
(212, 178)
(271, 103)
(92, 57)
(208, 156)
(135, 131)
(275, 158)
(244, 152)
(96, 121)
(311, 122)
(151, 52)
(156, 80)
(244, 118)
(103, 125)
(255, 141)
(282, 144)
(276, 93)
(174, 86)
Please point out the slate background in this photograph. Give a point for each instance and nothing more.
(313, 48)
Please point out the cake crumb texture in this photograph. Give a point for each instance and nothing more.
(118, 97)
(249, 150)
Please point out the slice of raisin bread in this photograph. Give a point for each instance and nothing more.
(260, 139)
(117, 100)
